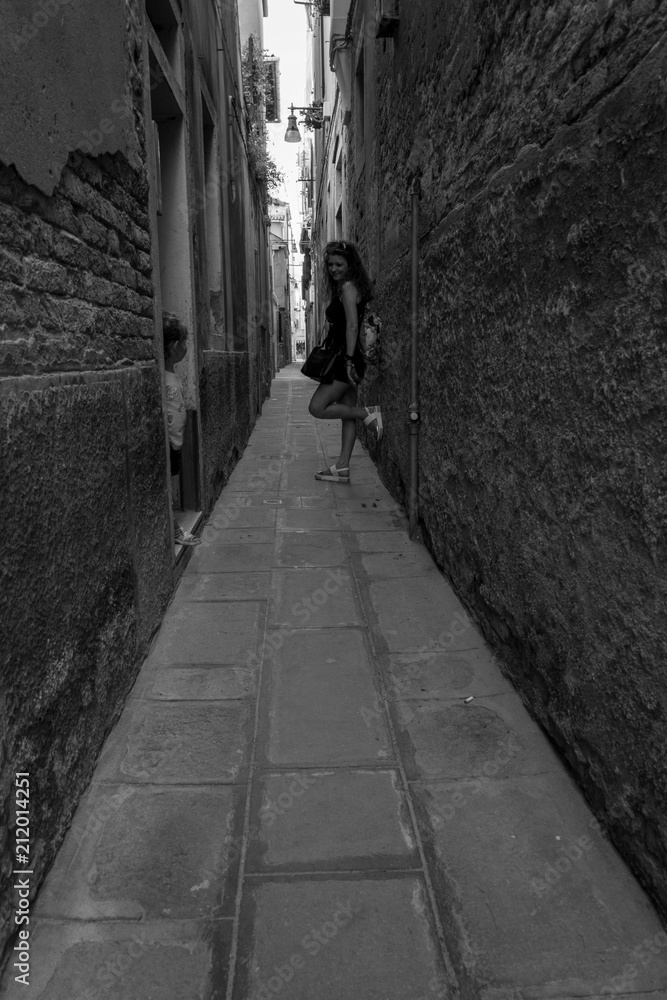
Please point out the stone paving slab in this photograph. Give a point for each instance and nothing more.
(265, 431)
(265, 500)
(309, 520)
(232, 515)
(403, 565)
(250, 465)
(445, 675)
(166, 960)
(317, 684)
(254, 485)
(373, 520)
(319, 820)
(304, 463)
(316, 548)
(234, 534)
(269, 445)
(539, 900)
(138, 853)
(231, 558)
(458, 740)
(313, 598)
(383, 541)
(367, 491)
(224, 587)
(426, 612)
(177, 742)
(275, 500)
(293, 448)
(315, 501)
(361, 505)
(339, 939)
(198, 632)
(204, 682)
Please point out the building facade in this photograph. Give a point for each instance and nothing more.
(125, 190)
(533, 139)
(283, 252)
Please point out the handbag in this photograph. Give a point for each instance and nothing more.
(320, 361)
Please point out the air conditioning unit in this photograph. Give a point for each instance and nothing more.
(386, 17)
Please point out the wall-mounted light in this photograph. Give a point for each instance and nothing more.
(313, 118)
(321, 6)
(292, 134)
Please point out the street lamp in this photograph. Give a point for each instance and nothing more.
(313, 118)
(292, 134)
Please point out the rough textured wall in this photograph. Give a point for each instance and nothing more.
(87, 566)
(228, 416)
(65, 84)
(85, 562)
(542, 371)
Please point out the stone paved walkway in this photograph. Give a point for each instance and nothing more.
(322, 787)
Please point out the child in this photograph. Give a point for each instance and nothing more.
(175, 335)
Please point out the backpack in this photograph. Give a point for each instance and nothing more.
(369, 338)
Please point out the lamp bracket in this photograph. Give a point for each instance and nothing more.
(313, 114)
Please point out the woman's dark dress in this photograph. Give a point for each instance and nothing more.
(335, 314)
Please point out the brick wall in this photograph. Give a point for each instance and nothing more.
(539, 129)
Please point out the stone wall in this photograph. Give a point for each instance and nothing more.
(86, 551)
(87, 562)
(228, 395)
(539, 131)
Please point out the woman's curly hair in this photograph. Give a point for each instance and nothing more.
(357, 272)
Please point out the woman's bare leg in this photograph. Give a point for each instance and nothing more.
(336, 401)
(327, 403)
(349, 430)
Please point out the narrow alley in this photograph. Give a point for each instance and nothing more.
(322, 787)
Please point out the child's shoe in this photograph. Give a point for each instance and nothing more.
(184, 537)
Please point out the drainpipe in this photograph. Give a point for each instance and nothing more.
(413, 408)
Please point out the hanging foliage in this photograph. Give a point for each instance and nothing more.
(255, 85)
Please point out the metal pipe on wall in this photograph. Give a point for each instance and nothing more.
(413, 408)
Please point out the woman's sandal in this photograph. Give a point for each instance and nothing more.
(334, 475)
(374, 417)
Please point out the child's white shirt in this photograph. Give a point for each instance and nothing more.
(176, 415)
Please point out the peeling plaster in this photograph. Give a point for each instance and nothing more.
(65, 85)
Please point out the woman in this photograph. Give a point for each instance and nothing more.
(337, 399)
